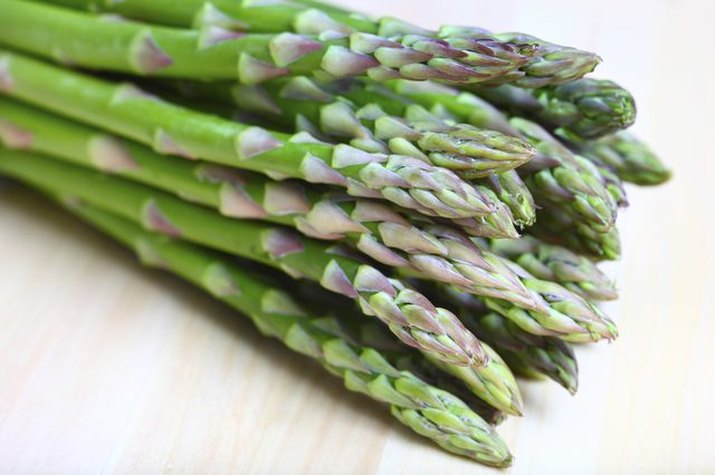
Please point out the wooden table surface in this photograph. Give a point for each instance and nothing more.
(107, 367)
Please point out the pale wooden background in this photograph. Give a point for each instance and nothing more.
(105, 367)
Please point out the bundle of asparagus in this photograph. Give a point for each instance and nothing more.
(458, 185)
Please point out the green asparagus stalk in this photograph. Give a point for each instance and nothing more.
(427, 250)
(429, 411)
(363, 333)
(407, 313)
(496, 58)
(488, 149)
(632, 160)
(530, 355)
(215, 52)
(169, 129)
(564, 181)
(509, 188)
(422, 368)
(557, 264)
(303, 104)
(587, 108)
(423, 249)
(547, 64)
(560, 229)
(526, 354)
(574, 186)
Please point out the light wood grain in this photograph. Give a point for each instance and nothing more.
(107, 367)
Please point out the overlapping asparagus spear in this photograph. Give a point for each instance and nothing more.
(567, 181)
(218, 53)
(429, 411)
(422, 249)
(414, 131)
(632, 160)
(169, 129)
(408, 314)
(587, 108)
(305, 104)
(560, 229)
(451, 53)
(527, 354)
(557, 264)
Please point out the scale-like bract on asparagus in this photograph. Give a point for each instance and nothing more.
(474, 53)
(429, 411)
(174, 130)
(408, 314)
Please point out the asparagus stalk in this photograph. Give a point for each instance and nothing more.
(557, 264)
(215, 52)
(560, 229)
(304, 104)
(575, 185)
(425, 250)
(564, 181)
(169, 129)
(407, 313)
(632, 160)
(492, 392)
(495, 58)
(429, 250)
(429, 411)
(526, 354)
(488, 150)
(428, 372)
(587, 108)
(507, 185)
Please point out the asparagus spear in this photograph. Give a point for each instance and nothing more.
(574, 186)
(555, 310)
(560, 229)
(429, 411)
(426, 250)
(497, 58)
(408, 314)
(587, 108)
(556, 264)
(485, 391)
(564, 181)
(525, 353)
(304, 104)
(127, 111)
(507, 185)
(469, 153)
(529, 355)
(632, 160)
(382, 233)
(215, 52)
